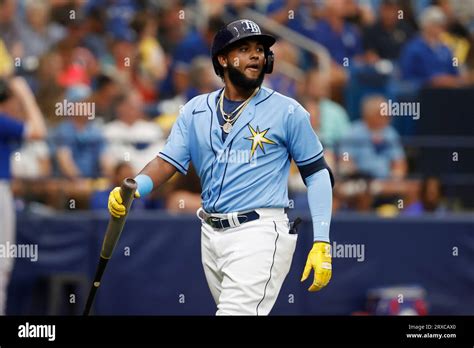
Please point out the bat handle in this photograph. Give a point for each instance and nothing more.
(112, 235)
(115, 227)
(95, 285)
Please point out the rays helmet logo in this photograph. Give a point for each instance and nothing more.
(251, 26)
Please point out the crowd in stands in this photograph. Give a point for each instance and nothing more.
(110, 76)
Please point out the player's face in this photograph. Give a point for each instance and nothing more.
(245, 64)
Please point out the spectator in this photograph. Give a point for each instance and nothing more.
(123, 57)
(372, 147)
(385, 39)
(152, 65)
(282, 79)
(37, 34)
(6, 61)
(95, 40)
(359, 13)
(196, 43)
(201, 78)
(131, 137)
(78, 142)
(425, 60)
(106, 92)
(431, 198)
(48, 90)
(456, 36)
(341, 38)
(294, 14)
(10, 28)
(31, 161)
(10, 131)
(329, 119)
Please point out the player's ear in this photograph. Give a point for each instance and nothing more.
(222, 60)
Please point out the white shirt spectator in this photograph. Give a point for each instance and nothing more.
(138, 143)
(26, 162)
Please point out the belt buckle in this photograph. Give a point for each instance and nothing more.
(214, 222)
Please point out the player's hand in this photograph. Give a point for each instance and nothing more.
(319, 259)
(116, 207)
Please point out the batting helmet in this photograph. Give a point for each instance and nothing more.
(239, 30)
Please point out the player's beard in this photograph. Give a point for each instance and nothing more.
(240, 80)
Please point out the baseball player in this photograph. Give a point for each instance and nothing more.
(241, 140)
(12, 130)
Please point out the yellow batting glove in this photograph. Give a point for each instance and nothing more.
(319, 259)
(115, 205)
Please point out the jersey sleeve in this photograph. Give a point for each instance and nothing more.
(176, 150)
(303, 143)
(11, 129)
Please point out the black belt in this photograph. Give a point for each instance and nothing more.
(221, 223)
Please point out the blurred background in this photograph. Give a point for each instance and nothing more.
(388, 84)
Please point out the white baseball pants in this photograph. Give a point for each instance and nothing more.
(7, 234)
(245, 266)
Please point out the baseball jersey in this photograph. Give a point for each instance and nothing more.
(11, 132)
(249, 169)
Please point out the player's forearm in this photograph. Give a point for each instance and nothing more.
(35, 122)
(155, 174)
(320, 203)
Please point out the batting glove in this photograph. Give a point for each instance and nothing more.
(319, 259)
(116, 207)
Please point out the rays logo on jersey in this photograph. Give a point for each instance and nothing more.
(258, 139)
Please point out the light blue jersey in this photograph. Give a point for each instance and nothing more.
(249, 170)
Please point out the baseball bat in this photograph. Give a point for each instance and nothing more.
(112, 235)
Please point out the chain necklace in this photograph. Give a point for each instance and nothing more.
(230, 118)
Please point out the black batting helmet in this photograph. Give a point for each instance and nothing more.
(239, 30)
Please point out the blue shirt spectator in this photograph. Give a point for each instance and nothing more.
(11, 133)
(341, 45)
(299, 20)
(85, 144)
(192, 46)
(196, 43)
(371, 156)
(420, 62)
(118, 13)
(372, 147)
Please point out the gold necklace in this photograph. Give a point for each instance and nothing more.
(229, 121)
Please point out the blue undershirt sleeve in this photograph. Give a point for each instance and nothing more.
(320, 203)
